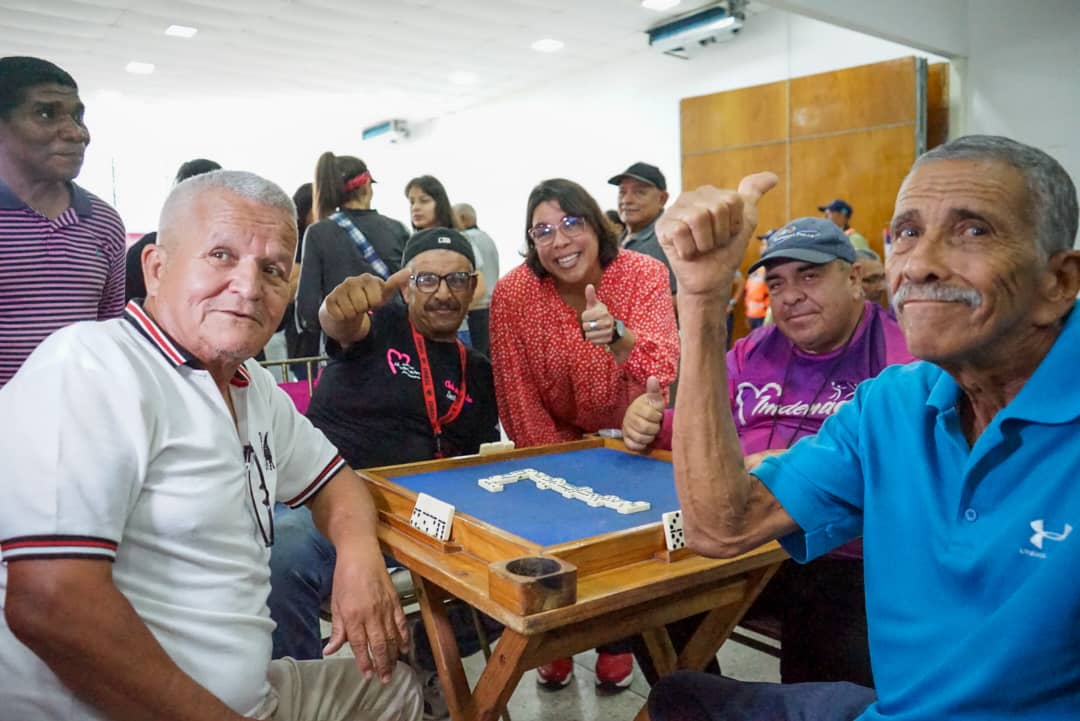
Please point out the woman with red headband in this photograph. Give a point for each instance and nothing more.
(349, 238)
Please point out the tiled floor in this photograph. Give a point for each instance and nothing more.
(580, 701)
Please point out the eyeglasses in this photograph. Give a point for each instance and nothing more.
(429, 282)
(267, 528)
(544, 233)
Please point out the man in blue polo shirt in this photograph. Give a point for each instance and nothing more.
(958, 471)
(61, 248)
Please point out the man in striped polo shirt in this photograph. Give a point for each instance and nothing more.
(61, 247)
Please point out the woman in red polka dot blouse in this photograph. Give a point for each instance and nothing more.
(578, 328)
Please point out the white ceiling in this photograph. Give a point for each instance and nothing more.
(396, 55)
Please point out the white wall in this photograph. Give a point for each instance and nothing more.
(1018, 62)
(1023, 75)
(586, 127)
(938, 26)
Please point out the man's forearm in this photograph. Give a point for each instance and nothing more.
(87, 632)
(710, 477)
(344, 511)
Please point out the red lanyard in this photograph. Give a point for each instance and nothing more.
(429, 389)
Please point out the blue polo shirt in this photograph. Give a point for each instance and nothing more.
(972, 553)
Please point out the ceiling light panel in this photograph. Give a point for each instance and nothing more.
(181, 31)
(137, 68)
(548, 45)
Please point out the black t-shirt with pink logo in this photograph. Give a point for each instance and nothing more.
(370, 402)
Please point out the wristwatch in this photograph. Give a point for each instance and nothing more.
(617, 332)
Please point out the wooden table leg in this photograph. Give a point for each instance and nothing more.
(706, 640)
(444, 648)
(718, 624)
(485, 646)
(643, 714)
(501, 675)
(661, 650)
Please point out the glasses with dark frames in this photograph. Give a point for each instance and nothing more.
(429, 282)
(543, 234)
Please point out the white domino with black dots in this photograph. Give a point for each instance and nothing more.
(585, 494)
(673, 530)
(432, 516)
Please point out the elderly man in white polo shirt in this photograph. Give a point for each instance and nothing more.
(142, 457)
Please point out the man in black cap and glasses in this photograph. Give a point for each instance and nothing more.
(381, 361)
(642, 195)
(142, 458)
(370, 403)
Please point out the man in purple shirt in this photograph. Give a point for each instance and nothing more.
(61, 248)
(784, 380)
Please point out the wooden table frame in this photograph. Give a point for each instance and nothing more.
(628, 583)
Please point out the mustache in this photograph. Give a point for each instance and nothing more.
(937, 292)
(442, 305)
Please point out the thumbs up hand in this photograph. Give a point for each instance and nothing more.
(705, 231)
(355, 296)
(597, 323)
(344, 312)
(642, 420)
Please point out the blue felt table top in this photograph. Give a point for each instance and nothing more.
(545, 517)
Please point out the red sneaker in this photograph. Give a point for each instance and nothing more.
(614, 670)
(556, 674)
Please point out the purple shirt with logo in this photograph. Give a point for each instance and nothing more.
(780, 394)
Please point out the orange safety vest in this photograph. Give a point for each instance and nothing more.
(757, 295)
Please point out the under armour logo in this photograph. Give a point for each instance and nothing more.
(1041, 533)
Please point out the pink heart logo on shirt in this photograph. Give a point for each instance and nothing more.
(393, 357)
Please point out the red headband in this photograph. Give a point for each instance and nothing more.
(353, 183)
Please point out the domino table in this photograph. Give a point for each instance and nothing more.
(562, 576)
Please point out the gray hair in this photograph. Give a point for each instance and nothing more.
(247, 185)
(1051, 190)
(465, 209)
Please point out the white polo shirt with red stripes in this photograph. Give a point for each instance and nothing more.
(117, 445)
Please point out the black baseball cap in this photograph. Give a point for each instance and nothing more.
(644, 172)
(837, 206)
(438, 239)
(811, 240)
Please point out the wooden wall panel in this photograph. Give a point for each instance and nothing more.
(860, 97)
(737, 117)
(937, 104)
(724, 169)
(846, 134)
(865, 168)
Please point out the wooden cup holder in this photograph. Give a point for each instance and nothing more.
(532, 584)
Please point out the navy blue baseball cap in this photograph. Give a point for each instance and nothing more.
(811, 240)
(837, 206)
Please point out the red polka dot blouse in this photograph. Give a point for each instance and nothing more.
(551, 384)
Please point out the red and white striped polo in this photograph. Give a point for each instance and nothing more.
(124, 450)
